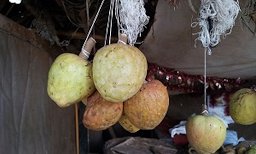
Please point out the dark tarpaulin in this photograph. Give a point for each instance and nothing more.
(30, 123)
(137, 145)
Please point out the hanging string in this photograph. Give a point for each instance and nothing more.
(117, 16)
(190, 3)
(87, 13)
(205, 84)
(111, 20)
(93, 23)
(107, 27)
(109, 23)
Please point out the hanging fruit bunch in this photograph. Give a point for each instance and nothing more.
(70, 77)
(119, 73)
(243, 106)
(205, 133)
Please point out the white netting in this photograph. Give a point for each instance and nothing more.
(132, 18)
(217, 18)
(15, 1)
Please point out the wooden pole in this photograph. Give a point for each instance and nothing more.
(77, 129)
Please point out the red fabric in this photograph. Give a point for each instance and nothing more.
(180, 140)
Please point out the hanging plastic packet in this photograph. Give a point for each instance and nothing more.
(232, 138)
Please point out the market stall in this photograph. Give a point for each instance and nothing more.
(127, 76)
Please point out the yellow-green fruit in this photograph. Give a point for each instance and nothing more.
(69, 80)
(205, 133)
(119, 71)
(252, 150)
(243, 106)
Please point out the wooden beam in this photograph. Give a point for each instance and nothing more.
(81, 36)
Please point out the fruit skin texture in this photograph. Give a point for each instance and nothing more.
(252, 150)
(127, 125)
(119, 71)
(205, 133)
(243, 106)
(69, 80)
(101, 114)
(148, 107)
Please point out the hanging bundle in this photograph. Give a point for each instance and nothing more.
(217, 18)
(132, 18)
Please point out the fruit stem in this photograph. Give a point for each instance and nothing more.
(87, 48)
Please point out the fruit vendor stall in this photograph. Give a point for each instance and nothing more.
(128, 76)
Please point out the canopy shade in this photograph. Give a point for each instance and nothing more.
(170, 43)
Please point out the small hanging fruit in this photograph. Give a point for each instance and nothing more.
(70, 78)
(119, 71)
(100, 114)
(148, 107)
(205, 133)
(243, 106)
